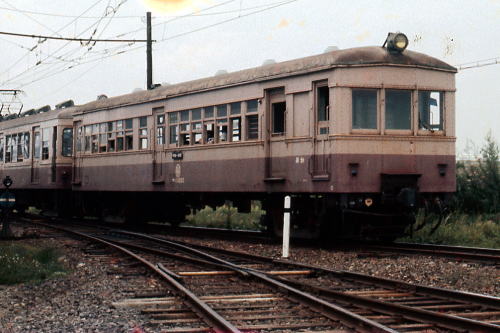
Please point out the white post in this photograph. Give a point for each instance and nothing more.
(286, 227)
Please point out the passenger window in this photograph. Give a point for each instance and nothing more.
(37, 146)
(111, 136)
(323, 107)
(222, 130)
(1, 148)
(8, 150)
(252, 127)
(430, 110)
(20, 147)
(88, 134)
(160, 129)
(209, 112)
(252, 106)
(67, 142)
(323, 102)
(398, 109)
(235, 108)
(26, 145)
(45, 143)
(364, 109)
(185, 129)
(278, 117)
(222, 110)
(197, 132)
(143, 133)
(196, 114)
(103, 138)
(236, 129)
(173, 134)
(78, 139)
(209, 132)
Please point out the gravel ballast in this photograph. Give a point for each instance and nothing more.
(81, 301)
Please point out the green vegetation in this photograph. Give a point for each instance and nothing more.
(459, 229)
(474, 218)
(478, 182)
(227, 217)
(22, 263)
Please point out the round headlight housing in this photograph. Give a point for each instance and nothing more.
(396, 42)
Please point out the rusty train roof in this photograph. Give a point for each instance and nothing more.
(354, 57)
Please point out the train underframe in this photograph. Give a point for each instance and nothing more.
(345, 215)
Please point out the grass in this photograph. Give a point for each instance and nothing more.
(460, 229)
(23, 263)
(227, 217)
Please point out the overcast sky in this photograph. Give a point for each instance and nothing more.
(195, 38)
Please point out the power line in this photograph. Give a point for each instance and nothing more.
(165, 39)
(26, 54)
(42, 61)
(478, 63)
(72, 39)
(31, 18)
(62, 15)
(226, 21)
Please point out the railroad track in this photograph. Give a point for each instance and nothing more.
(429, 307)
(349, 297)
(206, 301)
(460, 253)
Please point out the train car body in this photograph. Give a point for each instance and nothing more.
(348, 133)
(36, 152)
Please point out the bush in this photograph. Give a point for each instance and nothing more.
(475, 211)
(227, 217)
(478, 182)
(21, 263)
(460, 229)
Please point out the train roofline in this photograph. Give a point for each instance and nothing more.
(66, 113)
(354, 57)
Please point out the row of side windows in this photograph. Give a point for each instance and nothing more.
(111, 136)
(16, 147)
(210, 124)
(398, 109)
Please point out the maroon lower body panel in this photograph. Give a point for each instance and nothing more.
(436, 174)
(43, 177)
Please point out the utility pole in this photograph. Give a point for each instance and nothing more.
(149, 55)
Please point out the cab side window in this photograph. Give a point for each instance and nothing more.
(67, 142)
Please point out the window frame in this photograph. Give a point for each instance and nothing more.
(399, 131)
(375, 130)
(442, 111)
(324, 123)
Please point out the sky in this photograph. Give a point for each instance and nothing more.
(196, 38)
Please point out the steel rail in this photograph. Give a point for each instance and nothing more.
(421, 315)
(455, 248)
(416, 314)
(218, 323)
(327, 309)
(479, 299)
(449, 252)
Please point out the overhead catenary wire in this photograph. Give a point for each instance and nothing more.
(31, 49)
(268, 6)
(478, 63)
(73, 39)
(57, 71)
(68, 42)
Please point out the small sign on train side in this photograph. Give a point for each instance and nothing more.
(7, 200)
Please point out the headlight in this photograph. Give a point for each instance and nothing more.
(396, 42)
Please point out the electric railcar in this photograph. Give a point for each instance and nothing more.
(358, 137)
